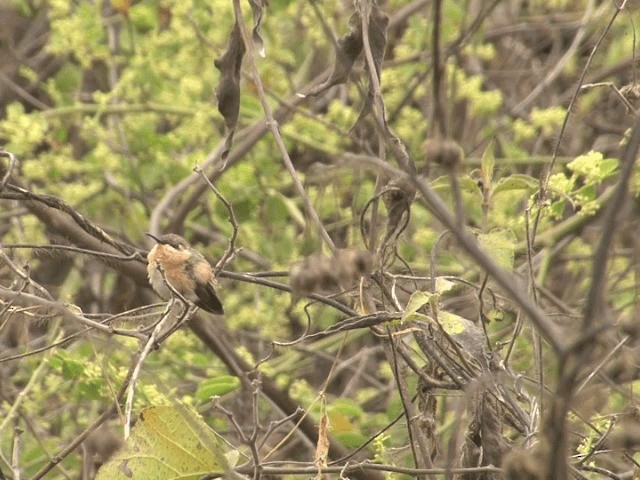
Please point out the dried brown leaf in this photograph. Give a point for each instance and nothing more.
(377, 36)
(347, 50)
(228, 91)
(484, 443)
(398, 202)
(257, 6)
(378, 23)
(322, 448)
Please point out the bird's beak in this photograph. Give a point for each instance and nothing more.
(153, 236)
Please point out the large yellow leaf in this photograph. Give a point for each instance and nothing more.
(169, 443)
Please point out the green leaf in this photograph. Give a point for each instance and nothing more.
(556, 209)
(245, 209)
(593, 166)
(144, 17)
(346, 406)
(441, 184)
(488, 164)
(466, 183)
(517, 181)
(500, 245)
(494, 315)
(443, 285)
(608, 167)
(167, 442)
(69, 368)
(293, 209)
(586, 194)
(351, 439)
(216, 386)
(469, 185)
(91, 389)
(452, 323)
(72, 369)
(416, 302)
(275, 210)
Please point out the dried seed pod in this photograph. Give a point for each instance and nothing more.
(301, 282)
(629, 325)
(103, 443)
(519, 465)
(626, 435)
(351, 264)
(446, 153)
(623, 368)
(321, 274)
(314, 274)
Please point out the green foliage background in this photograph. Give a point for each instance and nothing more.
(131, 110)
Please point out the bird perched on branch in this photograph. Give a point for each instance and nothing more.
(185, 269)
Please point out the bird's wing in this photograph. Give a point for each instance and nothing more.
(208, 298)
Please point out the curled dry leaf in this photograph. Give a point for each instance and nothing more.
(228, 91)
(349, 47)
(484, 442)
(257, 6)
(322, 448)
(377, 36)
(347, 50)
(398, 200)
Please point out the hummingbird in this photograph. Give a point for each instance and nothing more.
(185, 269)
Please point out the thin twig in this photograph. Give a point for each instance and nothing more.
(138, 255)
(169, 198)
(15, 452)
(579, 354)
(615, 89)
(355, 467)
(9, 171)
(151, 343)
(547, 175)
(439, 111)
(231, 249)
(91, 428)
(273, 126)
(469, 243)
(417, 438)
(26, 278)
(273, 426)
(16, 192)
(558, 68)
(66, 312)
(22, 395)
(601, 255)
